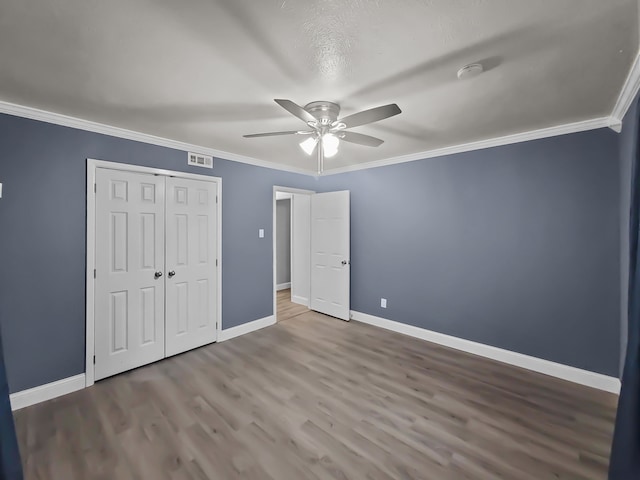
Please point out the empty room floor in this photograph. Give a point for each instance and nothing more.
(318, 398)
(285, 308)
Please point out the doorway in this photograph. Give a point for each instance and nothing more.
(311, 253)
(291, 249)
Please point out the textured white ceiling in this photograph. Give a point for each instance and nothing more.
(206, 72)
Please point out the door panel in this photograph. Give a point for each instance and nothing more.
(191, 298)
(330, 252)
(129, 299)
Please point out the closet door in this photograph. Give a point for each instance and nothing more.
(191, 248)
(129, 286)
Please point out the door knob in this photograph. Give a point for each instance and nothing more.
(158, 275)
(171, 273)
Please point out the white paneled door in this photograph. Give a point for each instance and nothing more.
(330, 254)
(129, 287)
(156, 269)
(191, 264)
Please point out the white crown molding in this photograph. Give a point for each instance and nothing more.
(229, 333)
(558, 370)
(87, 125)
(568, 128)
(48, 391)
(629, 91)
(67, 121)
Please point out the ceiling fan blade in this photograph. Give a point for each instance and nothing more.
(360, 139)
(273, 134)
(296, 110)
(370, 116)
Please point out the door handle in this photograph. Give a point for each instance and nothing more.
(157, 275)
(346, 262)
(171, 273)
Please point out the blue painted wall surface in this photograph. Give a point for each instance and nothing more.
(516, 246)
(42, 240)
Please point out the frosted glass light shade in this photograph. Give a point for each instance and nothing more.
(309, 145)
(330, 145)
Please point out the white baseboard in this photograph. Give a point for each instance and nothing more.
(245, 328)
(565, 372)
(283, 286)
(300, 300)
(29, 397)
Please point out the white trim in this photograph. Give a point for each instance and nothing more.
(629, 91)
(245, 328)
(565, 372)
(576, 127)
(631, 86)
(300, 300)
(276, 189)
(89, 126)
(283, 286)
(89, 280)
(29, 397)
(92, 165)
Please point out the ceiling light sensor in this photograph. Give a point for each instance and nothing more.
(470, 71)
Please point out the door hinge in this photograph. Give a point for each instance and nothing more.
(95, 187)
(216, 262)
(216, 198)
(94, 273)
(94, 359)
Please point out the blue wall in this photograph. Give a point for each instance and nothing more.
(515, 246)
(42, 249)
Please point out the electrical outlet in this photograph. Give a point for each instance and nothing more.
(383, 302)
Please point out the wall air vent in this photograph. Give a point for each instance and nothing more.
(199, 160)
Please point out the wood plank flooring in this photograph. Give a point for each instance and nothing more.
(285, 308)
(318, 398)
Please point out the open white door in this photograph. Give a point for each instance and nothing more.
(330, 253)
(129, 287)
(191, 301)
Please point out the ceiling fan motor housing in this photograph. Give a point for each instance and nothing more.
(326, 112)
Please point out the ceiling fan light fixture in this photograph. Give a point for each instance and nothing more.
(330, 145)
(309, 145)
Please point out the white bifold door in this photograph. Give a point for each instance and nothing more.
(155, 279)
(191, 264)
(330, 254)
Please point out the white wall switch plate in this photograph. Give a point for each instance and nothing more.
(0, 190)
(383, 302)
(261, 233)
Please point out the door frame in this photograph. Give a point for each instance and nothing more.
(298, 191)
(92, 165)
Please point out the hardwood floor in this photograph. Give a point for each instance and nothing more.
(285, 308)
(319, 398)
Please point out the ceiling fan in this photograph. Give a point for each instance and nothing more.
(327, 130)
